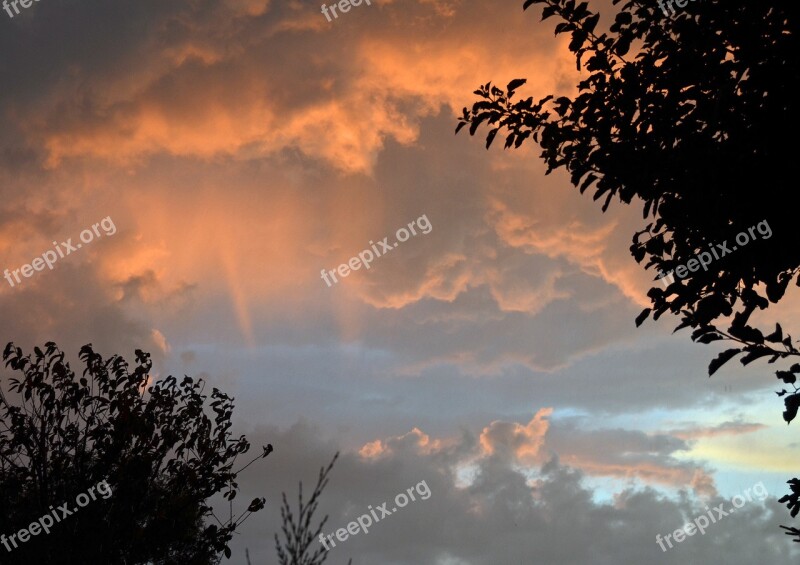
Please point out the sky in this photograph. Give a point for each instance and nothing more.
(227, 152)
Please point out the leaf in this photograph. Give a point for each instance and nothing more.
(591, 177)
(792, 404)
(709, 337)
(490, 137)
(755, 353)
(721, 359)
(547, 12)
(564, 26)
(776, 336)
(578, 38)
(792, 532)
(746, 333)
(643, 316)
(591, 22)
(624, 18)
(515, 84)
(777, 288)
(622, 45)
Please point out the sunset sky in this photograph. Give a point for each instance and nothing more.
(242, 146)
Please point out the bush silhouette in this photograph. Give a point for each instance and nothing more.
(161, 453)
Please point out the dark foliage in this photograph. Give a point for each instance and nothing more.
(161, 453)
(693, 115)
(793, 504)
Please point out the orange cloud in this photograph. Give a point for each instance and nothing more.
(724, 429)
(415, 441)
(649, 472)
(513, 441)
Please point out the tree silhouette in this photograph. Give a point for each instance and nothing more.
(299, 534)
(155, 447)
(692, 115)
(299, 537)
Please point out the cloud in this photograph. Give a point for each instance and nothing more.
(74, 307)
(417, 440)
(212, 79)
(514, 442)
(501, 517)
(212, 97)
(629, 454)
(724, 429)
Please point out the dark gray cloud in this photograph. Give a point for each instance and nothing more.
(503, 516)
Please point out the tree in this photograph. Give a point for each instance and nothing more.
(689, 113)
(299, 535)
(158, 452)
